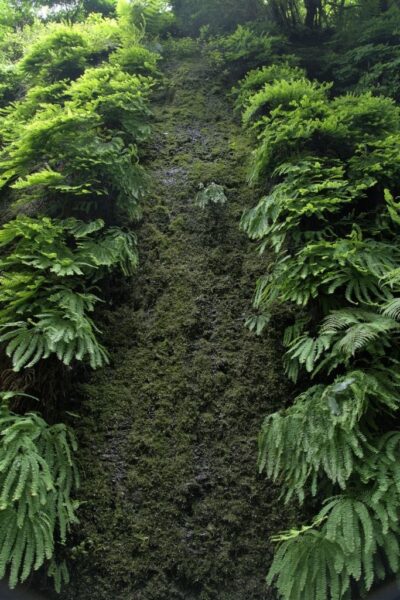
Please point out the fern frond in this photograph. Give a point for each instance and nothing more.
(37, 476)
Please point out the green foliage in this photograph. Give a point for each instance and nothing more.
(365, 52)
(46, 281)
(212, 194)
(283, 94)
(352, 538)
(9, 84)
(312, 560)
(331, 219)
(300, 16)
(310, 124)
(77, 10)
(120, 99)
(61, 55)
(256, 79)
(326, 433)
(70, 143)
(245, 49)
(136, 60)
(139, 17)
(219, 15)
(38, 476)
(181, 47)
(74, 147)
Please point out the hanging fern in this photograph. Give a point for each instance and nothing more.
(343, 335)
(348, 542)
(335, 258)
(324, 433)
(316, 566)
(45, 294)
(70, 147)
(38, 476)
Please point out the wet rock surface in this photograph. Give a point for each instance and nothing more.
(21, 593)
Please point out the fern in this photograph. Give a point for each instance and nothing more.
(37, 477)
(307, 350)
(360, 327)
(60, 55)
(75, 134)
(364, 526)
(245, 48)
(283, 94)
(317, 569)
(312, 188)
(343, 334)
(257, 78)
(331, 219)
(212, 194)
(45, 296)
(70, 147)
(345, 544)
(322, 433)
(392, 309)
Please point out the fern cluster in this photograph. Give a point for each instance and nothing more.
(45, 287)
(71, 144)
(70, 149)
(365, 51)
(256, 79)
(144, 16)
(37, 477)
(244, 49)
(330, 222)
(71, 187)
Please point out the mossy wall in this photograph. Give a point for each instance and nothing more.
(174, 506)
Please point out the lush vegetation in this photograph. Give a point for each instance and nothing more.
(329, 223)
(75, 99)
(317, 87)
(37, 476)
(46, 287)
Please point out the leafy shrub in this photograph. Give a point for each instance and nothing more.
(38, 476)
(331, 218)
(46, 281)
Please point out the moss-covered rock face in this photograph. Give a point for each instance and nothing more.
(174, 506)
